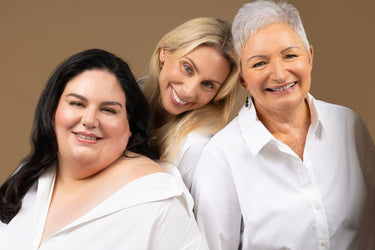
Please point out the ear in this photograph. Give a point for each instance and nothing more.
(311, 56)
(162, 52)
(242, 81)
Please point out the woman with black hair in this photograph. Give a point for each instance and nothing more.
(89, 181)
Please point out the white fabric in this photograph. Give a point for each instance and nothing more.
(187, 158)
(252, 189)
(151, 212)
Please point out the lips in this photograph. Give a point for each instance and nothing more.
(86, 137)
(282, 88)
(175, 98)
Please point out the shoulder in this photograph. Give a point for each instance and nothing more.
(195, 139)
(335, 110)
(128, 169)
(224, 146)
(192, 145)
(139, 165)
(229, 136)
(337, 115)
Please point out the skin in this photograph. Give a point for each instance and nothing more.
(276, 69)
(192, 81)
(88, 107)
(90, 170)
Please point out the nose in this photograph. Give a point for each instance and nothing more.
(89, 119)
(278, 71)
(190, 88)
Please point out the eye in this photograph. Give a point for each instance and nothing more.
(259, 64)
(76, 103)
(290, 56)
(188, 68)
(109, 110)
(208, 84)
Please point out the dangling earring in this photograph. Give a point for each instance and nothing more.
(247, 102)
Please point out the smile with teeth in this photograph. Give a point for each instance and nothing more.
(282, 88)
(175, 97)
(91, 138)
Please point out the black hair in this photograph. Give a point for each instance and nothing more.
(44, 149)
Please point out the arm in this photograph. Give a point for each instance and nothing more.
(216, 204)
(176, 228)
(366, 152)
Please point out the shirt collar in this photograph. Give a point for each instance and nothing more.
(257, 136)
(149, 188)
(254, 133)
(317, 124)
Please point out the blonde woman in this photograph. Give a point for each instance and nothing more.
(191, 86)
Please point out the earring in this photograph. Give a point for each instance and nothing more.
(247, 102)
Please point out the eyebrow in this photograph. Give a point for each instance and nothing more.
(196, 69)
(282, 51)
(86, 100)
(291, 47)
(192, 62)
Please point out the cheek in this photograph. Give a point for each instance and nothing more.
(207, 97)
(64, 119)
(253, 82)
(119, 129)
(170, 72)
(122, 136)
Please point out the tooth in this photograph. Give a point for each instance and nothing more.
(87, 137)
(284, 88)
(176, 97)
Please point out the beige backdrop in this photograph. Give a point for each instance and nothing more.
(36, 36)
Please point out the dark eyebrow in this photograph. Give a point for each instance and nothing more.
(86, 100)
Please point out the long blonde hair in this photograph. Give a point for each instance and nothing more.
(209, 119)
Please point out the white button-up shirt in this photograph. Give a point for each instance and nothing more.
(252, 191)
(187, 158)
(151, 212)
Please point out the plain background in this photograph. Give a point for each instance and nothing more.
(35, 36)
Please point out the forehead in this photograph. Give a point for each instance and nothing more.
(273, 36)
(95, 83)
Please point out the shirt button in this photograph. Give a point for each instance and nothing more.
(323, 243)
(318, 206)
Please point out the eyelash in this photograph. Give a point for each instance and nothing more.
(109, 110)
(188, 68)
(290, 56)
(80, 104)
(259, 64)
(208, 85)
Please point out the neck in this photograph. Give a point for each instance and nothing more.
(283, 121)
(288, 127)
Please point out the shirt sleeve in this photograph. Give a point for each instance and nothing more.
(366, 150)
(216, 207)
(176, 228)
(189, 160)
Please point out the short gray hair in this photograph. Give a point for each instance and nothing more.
(261, 13)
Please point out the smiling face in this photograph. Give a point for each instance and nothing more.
(91, 123)
(276, 69)
(192, 81)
